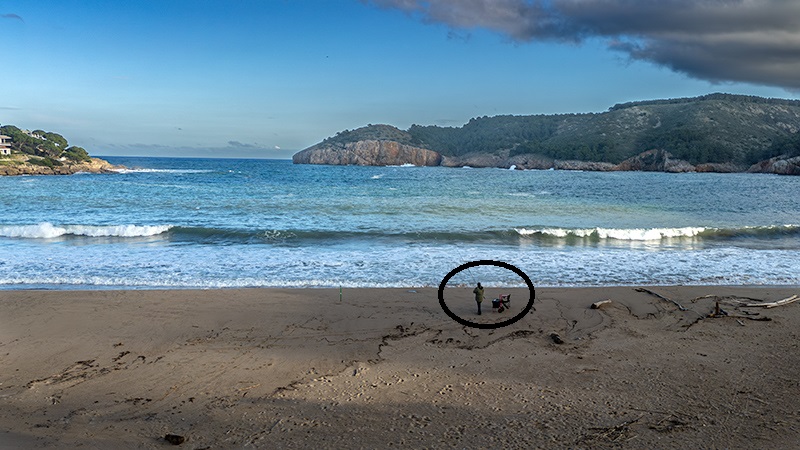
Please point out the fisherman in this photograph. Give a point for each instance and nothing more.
(478, 291)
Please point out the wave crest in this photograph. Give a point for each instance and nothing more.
(46, 230)
(656, 234)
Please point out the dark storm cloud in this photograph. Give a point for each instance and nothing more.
(11, 16)
(756, 41)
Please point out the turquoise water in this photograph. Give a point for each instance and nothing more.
(231, 223)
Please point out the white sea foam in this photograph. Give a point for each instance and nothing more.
(162, 171)
(46, 230)
(633, 234)
(224, 266)
(377, 177)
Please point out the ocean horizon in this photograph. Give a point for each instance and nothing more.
(231, 222)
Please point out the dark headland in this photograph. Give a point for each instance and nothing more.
(711, 133)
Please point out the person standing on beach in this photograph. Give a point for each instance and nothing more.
(478, 291)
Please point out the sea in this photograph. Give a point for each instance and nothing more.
(226, 223)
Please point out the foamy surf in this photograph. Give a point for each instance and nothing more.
(177, 171)
(46, 230)
(656, 234)
(633, 234)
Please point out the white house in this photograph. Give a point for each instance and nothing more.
(5, 144)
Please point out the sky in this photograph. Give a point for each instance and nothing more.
(267, 78)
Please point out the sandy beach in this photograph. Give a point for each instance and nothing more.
(298, 368)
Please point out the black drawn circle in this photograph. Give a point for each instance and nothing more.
(487, 262)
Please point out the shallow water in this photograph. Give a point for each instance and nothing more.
(231, 223)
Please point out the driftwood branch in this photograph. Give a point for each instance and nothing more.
(785, 301)
(726, 298)
(748, 302)
(662, 298)
(694, 300)
(732, 316)
(597, 305)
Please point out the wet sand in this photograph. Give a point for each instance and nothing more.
(297, 368)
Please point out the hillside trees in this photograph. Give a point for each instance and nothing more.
(46, 145)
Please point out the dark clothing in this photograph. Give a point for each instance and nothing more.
(478, 291)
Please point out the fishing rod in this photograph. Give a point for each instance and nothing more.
(461, 256)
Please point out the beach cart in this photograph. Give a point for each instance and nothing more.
(502, 303)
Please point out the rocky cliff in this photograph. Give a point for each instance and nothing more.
(781, 165)
(21, 165)
(367, 153)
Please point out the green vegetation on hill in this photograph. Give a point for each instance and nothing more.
(48, 146)
(715, 128)
(789, 146)
(372, 132)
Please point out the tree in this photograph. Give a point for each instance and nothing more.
(77, 154)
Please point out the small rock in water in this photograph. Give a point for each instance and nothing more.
(174, 439)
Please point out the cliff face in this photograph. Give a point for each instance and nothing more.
(19, 165)
(368, 153)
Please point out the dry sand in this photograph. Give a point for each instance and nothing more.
(267, 368)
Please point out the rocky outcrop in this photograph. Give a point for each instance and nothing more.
(720, 168)
(475, 160)
(20, 165)
(781, 165)
(592, 166)
(655, 161)
(524, 162)
(368, 153)
(531, 161)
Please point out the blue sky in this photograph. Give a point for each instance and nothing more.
(267, 78)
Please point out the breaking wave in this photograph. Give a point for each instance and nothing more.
(655, 234)
(47, 230)
(578, 236)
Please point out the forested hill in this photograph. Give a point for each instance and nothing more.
(43, 143)
(41, 152)
(715, 128)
